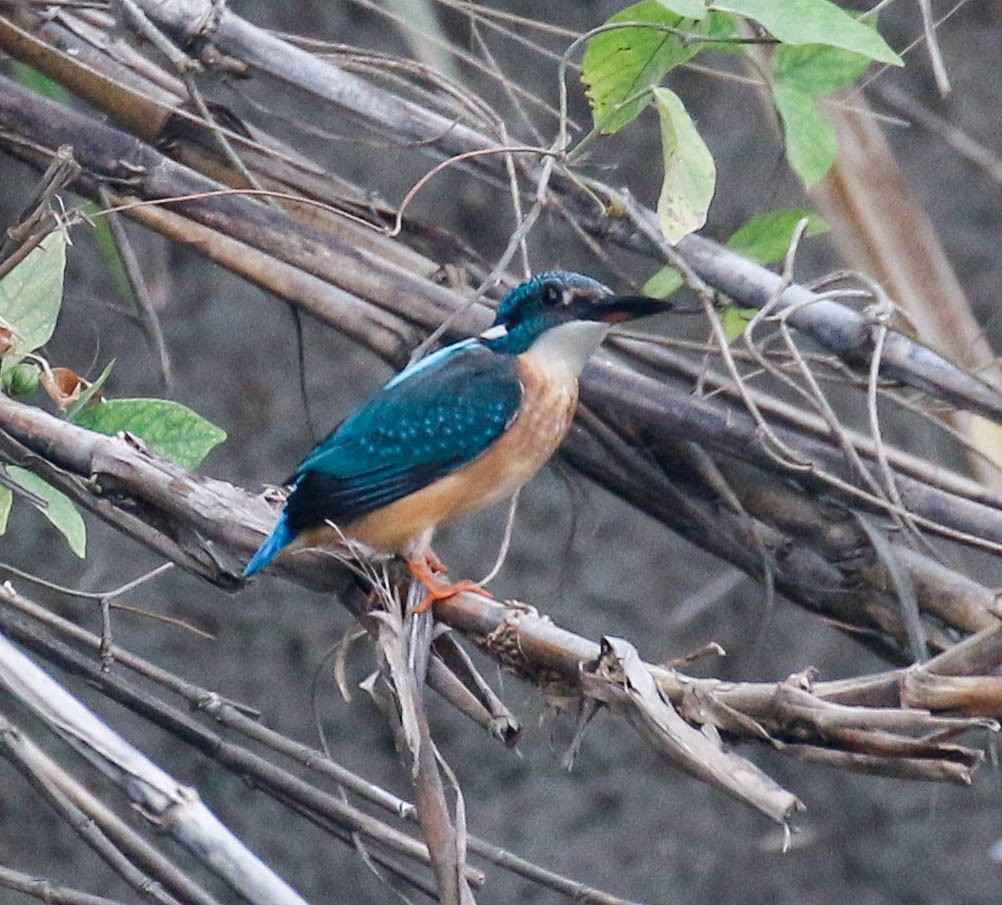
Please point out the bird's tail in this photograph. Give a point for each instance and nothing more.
(280, 535)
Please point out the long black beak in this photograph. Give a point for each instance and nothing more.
(614, 309)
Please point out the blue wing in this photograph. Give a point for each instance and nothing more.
(430, 419)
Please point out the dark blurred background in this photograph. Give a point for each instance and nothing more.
(621, 820)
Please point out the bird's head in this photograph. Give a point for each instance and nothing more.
(543, 310)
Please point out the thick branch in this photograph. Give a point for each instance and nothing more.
(528, 645)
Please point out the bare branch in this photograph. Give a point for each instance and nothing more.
(134, 859)
(174, 808)
(235, 716)
(49, 892)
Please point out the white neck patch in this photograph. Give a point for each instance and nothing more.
(567, 347)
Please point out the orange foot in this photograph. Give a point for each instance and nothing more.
(424, 569)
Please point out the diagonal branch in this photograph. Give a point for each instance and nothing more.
(232, 716)
(530, 646)
(836, 327)
(174, 808)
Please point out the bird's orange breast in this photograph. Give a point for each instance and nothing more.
(549, 398)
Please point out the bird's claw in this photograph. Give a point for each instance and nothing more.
(444, 591)
(425, 569)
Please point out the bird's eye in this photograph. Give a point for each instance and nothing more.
(552, 294)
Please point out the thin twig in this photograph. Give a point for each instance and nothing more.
(932, 45)
(49, 892)
(148, 318)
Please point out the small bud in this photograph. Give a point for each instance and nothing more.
(22, 380)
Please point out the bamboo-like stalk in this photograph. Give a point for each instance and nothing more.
(628, 404)
(173, 807)
(228, 714)
(787, 498)
(837, 327)
(533, 647)
(48, 892)
(139, 864)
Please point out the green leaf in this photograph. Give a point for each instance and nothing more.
(169, 428)
(666, 281)
(6, 501)
(30, 297)
(734, 321)
(802, 72)
(622, 63)
(109, 248)
(39, 83)
(690, 173)
(817, 69)
(813, 22)
(811, 144)
(689, 9)
(60, 511)
(87, 395)
(766, 239)
(725, 27)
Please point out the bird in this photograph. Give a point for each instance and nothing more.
(455, 432)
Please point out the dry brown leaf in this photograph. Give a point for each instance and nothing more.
(64, 386)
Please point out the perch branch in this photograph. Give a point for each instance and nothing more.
(345, 818)
(231, 715)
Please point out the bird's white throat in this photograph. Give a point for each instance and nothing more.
(567, 347)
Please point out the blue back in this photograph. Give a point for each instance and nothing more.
(429, 420)
(432, 418)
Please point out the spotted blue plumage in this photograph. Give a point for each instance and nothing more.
(443, 411)
(436, 416)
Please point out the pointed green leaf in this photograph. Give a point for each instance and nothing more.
(689, 9)
(690, 173)
(766, 239)
(30, 297)
(666, 281)
(6, 501)
(171, 429)
(817, 69)
(60, 511)
(811, 144)
(813, 22)
(87, 395)
(734, 321)
(622, 63)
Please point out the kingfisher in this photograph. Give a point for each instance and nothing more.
(454, 432)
